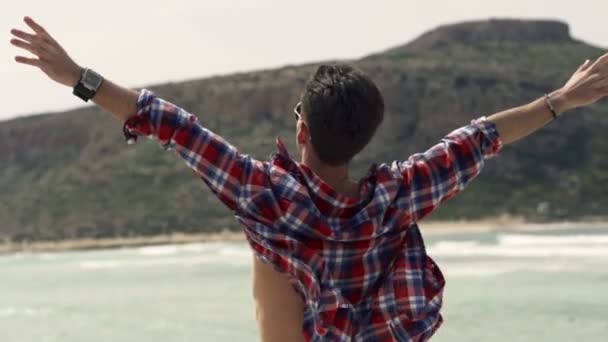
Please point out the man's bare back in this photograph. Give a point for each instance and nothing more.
(279, 309)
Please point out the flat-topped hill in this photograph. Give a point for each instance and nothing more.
(71, 175)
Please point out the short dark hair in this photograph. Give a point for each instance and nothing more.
(342, 108)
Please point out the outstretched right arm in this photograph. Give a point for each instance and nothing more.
(54, 61)
(232, 176)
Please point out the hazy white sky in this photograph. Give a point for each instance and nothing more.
(142, 42)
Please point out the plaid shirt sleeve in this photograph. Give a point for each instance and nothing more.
(230, 175)
(433, 177)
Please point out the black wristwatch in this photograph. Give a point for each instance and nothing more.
(88, 85)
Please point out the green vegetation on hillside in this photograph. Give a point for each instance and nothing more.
(71, 175)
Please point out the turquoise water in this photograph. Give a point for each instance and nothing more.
(544, 286)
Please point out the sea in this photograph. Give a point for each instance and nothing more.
(545, 285)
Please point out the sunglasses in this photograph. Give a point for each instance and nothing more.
(298, 111)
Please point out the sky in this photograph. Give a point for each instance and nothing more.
(139, 43)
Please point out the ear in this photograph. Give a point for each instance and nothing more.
(302, 133)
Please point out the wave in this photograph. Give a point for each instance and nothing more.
(507, 246)
(477, 269)
(232, 256)
(99, 264)
(177, 249)
(526, 239)
(159, 250)
(475, 248)
(235, 251)
(10, 311)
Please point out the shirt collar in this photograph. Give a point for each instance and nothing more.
(282, 159)
(281, 149)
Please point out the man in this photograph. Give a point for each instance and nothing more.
(351, 250)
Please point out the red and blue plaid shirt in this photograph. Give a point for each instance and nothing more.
(359, 264)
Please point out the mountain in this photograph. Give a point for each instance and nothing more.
(71, 175)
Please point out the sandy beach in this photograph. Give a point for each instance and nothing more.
(509, 224)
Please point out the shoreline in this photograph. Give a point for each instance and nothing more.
(507, 224)
(430, 228)
(119, 242)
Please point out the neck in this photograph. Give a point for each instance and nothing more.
(336, 176)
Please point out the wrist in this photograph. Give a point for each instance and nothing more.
(75, 75)
(560, 101)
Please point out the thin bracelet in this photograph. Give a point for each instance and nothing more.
(550, 106)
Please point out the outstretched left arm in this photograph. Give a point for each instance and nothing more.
(588, 84)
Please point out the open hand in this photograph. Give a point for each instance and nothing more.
(51, 58)
(588, 84)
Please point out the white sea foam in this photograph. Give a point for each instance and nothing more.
(47, 256)
(225, 256)
(508, 246)
(159, 250)
(114, 264)
(11, 311)
(516, 250)
(162, 250)
(475, 270)
(200, 247)
(486, 269)
(100, 264)
(523, 239)
(235, 252)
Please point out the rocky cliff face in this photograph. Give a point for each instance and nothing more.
(494, 31)
(70, 175)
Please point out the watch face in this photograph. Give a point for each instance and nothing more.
(91, 80)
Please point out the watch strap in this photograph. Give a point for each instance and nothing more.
(83, 92)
